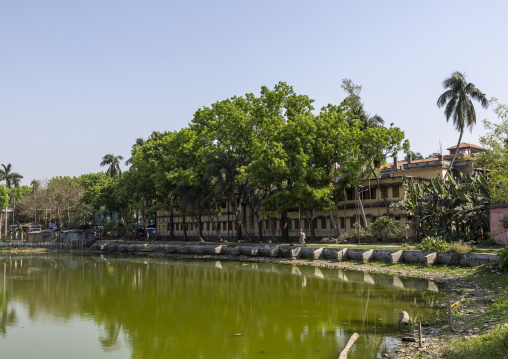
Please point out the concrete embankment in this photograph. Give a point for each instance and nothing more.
(310, 253)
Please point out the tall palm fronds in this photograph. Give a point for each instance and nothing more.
(139, 142)
(366, 119)
(114, 165)
(459, 107)
(10, 178)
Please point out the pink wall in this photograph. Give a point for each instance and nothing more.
(497, 213)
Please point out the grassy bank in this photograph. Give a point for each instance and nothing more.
(480, 317)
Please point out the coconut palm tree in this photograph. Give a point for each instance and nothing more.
(36, 184)
(139, 142)
(366, 119)
(114, 165)
(10, 178)
(459, 107)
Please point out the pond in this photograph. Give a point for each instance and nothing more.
(62, 306)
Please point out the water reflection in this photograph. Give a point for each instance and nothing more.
(163, 309)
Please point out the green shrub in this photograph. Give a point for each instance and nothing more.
(503, 259)
(342, 239)
(453, 236)
(433, 244)
(458, 247)
(385, 229)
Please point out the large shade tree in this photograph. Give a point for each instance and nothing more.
(114, 165)
(458, 105)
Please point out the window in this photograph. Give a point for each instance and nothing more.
(350, 194)
(224, 204)
(397, 218)
(384, 192)
(230, 225)
(323, 223)
(395, 191)
(224, 226)
(289, 223)
(373, 193)
(314, 223)
(207, 226)
(342, 223)
(353, 221)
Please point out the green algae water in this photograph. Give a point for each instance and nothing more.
(96, 307)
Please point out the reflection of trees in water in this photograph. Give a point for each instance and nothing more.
(109, 336)
(170, 309)
(7, 316)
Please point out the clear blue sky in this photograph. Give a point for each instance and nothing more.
(80, 79)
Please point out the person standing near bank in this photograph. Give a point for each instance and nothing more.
(302, 237)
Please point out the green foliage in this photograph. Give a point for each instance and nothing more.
(492, 345)
(109, 226)
(12, 179)
(4, 196)
(458, 105)
(433, 244)
(342, 239)
(61, 197)
(503, 259)
(385, 229)
(455, 208)
(454, 236)
(358, 233)
(459, 247)
(496, 156)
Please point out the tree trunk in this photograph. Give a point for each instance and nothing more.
(456, 151)
(215, 227)
(260, 230)
(284, 226)
(362, 210)
(271, 224)
(145, 225)
(382, 194)
(184, 223)
(200, 228)
(171, 225)
(310, 217)
(238, 218)
(332, 220)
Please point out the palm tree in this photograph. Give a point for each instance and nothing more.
(459, 107)
(139, 142)
(10, 178)
(114, 165)
(366, 119)
(36, 184)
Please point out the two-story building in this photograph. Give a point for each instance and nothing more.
(363, 204)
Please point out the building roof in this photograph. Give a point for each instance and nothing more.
(467, 145)
(400, 163)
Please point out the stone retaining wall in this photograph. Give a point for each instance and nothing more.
(312, 253)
